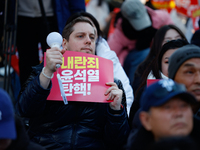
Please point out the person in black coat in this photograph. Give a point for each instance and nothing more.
(77, 125)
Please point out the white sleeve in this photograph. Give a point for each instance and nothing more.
(151, 76)
(103, 50)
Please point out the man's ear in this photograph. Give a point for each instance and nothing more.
(145, 120)
(65, 44)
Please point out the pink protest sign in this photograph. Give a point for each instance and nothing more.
(151, 81)
(83, 77)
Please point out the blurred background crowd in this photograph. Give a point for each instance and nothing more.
(142, 34)
(16, 22)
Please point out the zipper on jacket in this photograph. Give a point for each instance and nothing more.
(73, 135)
(74, 129)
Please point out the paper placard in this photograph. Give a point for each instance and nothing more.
(83, 77)
(151, 81)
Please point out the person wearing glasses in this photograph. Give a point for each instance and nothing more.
(166, 111)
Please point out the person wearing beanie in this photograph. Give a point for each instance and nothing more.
(180, 56)
(166, 112)
(167, 50)
(184, 67)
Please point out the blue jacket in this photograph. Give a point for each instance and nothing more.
(77, 125)
(65, 8)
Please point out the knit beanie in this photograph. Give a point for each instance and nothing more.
(180, 56)
(173, 44)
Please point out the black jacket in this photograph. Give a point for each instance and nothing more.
(78, 125)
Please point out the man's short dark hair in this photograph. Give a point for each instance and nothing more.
(69, 28)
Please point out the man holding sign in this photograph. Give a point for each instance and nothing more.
(78, 125)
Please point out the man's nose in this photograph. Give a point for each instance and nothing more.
(178, 111)
(88, 40)
(197, 77)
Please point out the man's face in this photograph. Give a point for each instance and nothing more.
(82, 39)
(174, 118)
(189, 75)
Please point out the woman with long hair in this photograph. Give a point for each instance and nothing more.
(149, 67)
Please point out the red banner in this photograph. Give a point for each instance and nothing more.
(151, 81)
(83, 77)
(188, 7)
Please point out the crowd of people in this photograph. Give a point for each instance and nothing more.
(146, 45)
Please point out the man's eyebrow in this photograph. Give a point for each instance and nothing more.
(188, 65)
(93, 34)
(80, 32)
(84, 33)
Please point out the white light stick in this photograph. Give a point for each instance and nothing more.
(54, 39)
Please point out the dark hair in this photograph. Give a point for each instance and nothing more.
(150, 5)
(174, 44)
(196, 38)
(128, 30)
(150, 63)
(68, 29)
(90, 16)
